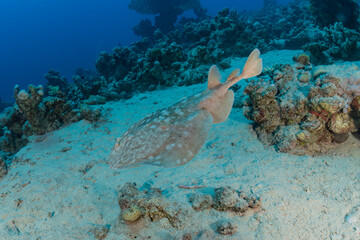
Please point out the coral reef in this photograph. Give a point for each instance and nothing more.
(160, 66)
(93, 88)
(332, 11)
(179, 57)
(35, 113)
(12, 138)
(43, 114)
(304, 110)
(116, 64)
(86, 86)
(57, 85)
(214, 39)
(336, 42)
(125, 72)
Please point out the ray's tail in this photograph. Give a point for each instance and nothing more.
(252, 68)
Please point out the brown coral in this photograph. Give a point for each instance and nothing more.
(302, 59)
(339, 123)
(304, 110)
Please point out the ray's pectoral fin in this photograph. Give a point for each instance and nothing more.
(221, 109)
(186, 141)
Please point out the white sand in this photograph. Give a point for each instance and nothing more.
(48, 195)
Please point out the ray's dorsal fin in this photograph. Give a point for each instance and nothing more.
(233, 74)
(219, 104)
(214, 77)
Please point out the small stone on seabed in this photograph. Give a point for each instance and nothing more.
(201, 201)
(353, 216)
(132, 214)
(226, 227)
(187, 236)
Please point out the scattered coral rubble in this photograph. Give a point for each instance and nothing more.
(141, 207)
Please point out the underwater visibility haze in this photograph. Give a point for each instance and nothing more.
(67, 35)
(180, 119)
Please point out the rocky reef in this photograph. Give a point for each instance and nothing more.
(303, 109)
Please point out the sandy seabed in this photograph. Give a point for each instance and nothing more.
(61, 187)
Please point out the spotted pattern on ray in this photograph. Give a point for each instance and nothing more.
(172, 136)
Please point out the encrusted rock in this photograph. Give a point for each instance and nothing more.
(226, 227)
(355, 105)
(339, 123)
(340, 138)
(226, 199)
(201, 201)
(187, 236)
(132, 214)
(149, 204)
(304, 136)
(101, 232)
(331, 104)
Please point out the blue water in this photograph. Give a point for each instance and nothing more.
(36, 36)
